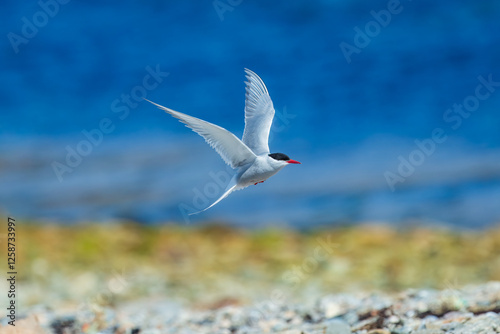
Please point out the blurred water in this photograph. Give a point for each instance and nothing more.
(347, 122)
(155, 181)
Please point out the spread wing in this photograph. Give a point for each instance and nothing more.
(259, 114)
(230, 148)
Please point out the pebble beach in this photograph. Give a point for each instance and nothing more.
(367, 279)
(473, 309)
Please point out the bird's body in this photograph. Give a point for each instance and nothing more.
(250, 156)
(260, 170)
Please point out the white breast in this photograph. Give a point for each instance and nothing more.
(263, 168)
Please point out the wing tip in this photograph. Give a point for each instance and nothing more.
(156, 104)
(167, 110)
(256, 81)
(249, 71)
(251, 74)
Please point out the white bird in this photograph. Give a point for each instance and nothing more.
(250, 156)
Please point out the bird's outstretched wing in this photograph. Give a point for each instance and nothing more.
(259, 114)
(232, 150)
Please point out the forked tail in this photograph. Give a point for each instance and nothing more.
(230, 188)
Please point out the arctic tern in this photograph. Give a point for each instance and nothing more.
(250, 156)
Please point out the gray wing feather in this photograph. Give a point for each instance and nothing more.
(259, 114)
(232, 150)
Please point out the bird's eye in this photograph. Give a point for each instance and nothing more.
(279, 156)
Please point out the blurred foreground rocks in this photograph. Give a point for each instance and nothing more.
(469, 310)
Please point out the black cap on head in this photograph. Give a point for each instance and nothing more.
(279, 156)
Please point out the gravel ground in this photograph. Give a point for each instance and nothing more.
(131, 279)
(472, 309)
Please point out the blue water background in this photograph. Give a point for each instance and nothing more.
(348, 122)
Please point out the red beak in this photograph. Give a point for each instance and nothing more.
(293, 162)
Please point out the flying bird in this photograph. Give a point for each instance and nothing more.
(250, 156)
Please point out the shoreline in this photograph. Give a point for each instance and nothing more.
(472, 309)
(206, 269)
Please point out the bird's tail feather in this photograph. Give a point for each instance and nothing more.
(230, 188)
